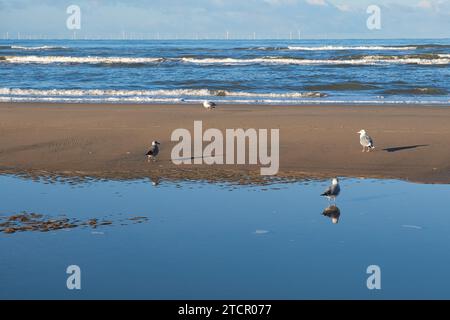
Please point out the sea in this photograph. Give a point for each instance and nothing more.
(403, 71)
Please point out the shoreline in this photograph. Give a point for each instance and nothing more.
(316, 141)
(309, 103)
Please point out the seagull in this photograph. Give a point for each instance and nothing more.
(332, 191)
(365, 140)
(208, 105)
(153, 152)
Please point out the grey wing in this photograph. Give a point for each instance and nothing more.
(366, 141)
(153, 151)
(335, 190)
(327, 192)
(370, 141)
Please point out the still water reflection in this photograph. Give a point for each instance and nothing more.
(205, 240)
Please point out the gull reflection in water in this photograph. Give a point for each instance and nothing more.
(333, 213)
(155, 181)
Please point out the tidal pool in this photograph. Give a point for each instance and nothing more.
(219, 241)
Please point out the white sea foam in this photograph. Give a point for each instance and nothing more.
(99, 92)
(13, 92)
(71, 59)
(363, 60)
(91, 100)
(368, 60)
(38, 48)
(335, 48)
(151, 100)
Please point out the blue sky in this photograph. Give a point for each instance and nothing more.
(241, 18)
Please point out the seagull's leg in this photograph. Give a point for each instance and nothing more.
(364, 149)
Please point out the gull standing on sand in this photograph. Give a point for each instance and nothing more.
(153, 152)
(365, 140)
(332, 191)
(208, 105)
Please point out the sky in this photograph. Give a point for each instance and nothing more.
(238, 18)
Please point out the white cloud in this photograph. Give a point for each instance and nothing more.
(438, 6)
(343, 7)
(281, 2)
(317, 2)
(425, 4)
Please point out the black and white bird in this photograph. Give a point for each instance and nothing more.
(332, 191)
(209, 105)
(365, 140)
(153, 152)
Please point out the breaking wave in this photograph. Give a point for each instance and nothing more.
(177, 93)
(335, 48)
(37, 48)
(440, 59)
(366, 60)
(79, 60)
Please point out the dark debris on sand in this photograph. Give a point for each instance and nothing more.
(37, 222)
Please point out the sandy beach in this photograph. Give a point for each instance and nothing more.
(110, 141)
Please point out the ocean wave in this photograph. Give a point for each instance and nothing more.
(34, 48)
(417, 91)
(153, 93)
(421, 56)
(344, 86)
(79, 60)
(327, 48)
(264, 48)
(427, 59)
(432, 46)
(100, 92)
(39, 48)
(366, 60)
(336, 48)
(92, 99)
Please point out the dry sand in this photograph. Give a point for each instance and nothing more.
(412, 142)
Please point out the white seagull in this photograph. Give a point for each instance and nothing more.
(365, 140)
(153, 152)
(332, 191)
(208, 105)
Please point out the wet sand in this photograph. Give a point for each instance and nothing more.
(110, 141)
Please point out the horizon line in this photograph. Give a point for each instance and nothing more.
(140, 38)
